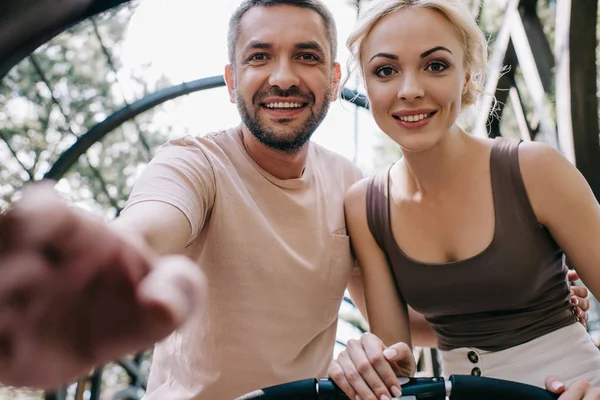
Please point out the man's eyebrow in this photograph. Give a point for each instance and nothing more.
(433, 50)
(257, 44)
(311, 45)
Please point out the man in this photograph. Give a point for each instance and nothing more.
(256, 211)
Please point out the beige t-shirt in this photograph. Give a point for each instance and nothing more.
(277, 259)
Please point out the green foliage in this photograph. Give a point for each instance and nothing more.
(52, 98)
(57, 94)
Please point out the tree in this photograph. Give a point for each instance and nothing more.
(56, 95)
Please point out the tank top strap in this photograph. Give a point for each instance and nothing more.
(511, 202)
(378, 211)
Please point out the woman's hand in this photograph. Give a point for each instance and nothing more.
(368, 370)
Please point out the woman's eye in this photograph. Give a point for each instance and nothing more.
(437, 66)
(384, 71)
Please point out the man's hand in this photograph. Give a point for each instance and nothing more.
(369, 369)
(75, 294)
(579, 390)
(579, 298)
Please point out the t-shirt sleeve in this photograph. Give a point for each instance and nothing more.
(180, 174)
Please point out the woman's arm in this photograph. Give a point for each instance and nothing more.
(369, 366)
(387, 312)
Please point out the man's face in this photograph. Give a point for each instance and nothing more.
(283, 78)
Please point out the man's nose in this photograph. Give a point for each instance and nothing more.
(284, 76)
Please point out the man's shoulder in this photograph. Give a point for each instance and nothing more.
(336, 163)
(210, 144)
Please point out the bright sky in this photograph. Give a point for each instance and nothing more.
(186, 40)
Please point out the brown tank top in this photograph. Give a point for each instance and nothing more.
(512, 292)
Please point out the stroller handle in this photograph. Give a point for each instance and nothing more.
(457, 387)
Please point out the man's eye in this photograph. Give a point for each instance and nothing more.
(258, 57)
(308, 57)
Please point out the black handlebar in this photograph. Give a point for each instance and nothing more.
(457, 387)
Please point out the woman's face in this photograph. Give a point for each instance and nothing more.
(412, 62)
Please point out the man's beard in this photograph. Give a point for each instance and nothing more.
(285, 141)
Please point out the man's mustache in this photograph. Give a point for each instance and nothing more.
(276, 92)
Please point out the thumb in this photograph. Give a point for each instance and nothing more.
(555, 385)
(402, 356)
(397, 351)
(171, 291)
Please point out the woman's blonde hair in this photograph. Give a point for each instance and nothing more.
(472, 38)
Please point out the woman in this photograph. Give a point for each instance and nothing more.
(468, 231)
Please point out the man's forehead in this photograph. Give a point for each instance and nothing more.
(282, 25)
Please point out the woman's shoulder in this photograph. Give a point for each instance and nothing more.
(356, 195)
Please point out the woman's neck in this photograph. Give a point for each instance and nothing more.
(432, 172)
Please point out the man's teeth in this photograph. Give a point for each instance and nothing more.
(283, 105)
(415, 118)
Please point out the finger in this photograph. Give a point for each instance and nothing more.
(355, 378)
(554, 384)
(582, 317)
(579, 291)
(95, 313)
(171, 292)
(402, 359)
(576, 391)
(581, 303)
(336, 373)
(7, 336)
(38, 216)
(136, 316)
(372, 365)
(381, 365)
(592, 394)
(572, 275)
(94, 246)
(23, 276)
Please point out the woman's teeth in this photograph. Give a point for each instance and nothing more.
(415, 118)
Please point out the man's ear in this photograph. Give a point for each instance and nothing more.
(335, 81)
(230, 81)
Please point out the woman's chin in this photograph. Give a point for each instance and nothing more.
(417, 143)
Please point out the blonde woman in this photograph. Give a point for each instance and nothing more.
(468, 231)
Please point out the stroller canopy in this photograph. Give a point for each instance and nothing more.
(27, 24)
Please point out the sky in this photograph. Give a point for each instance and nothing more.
(186, 40)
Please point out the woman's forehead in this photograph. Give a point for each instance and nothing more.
(410, 32)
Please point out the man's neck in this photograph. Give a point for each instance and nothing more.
(281, 165)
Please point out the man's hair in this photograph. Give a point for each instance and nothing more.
(315, 5)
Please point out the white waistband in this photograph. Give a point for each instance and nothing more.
(568, 353)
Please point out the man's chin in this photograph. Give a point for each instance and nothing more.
(284, 141)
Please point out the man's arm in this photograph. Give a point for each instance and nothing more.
(77, 292)
(74, 294)
(158, 227)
